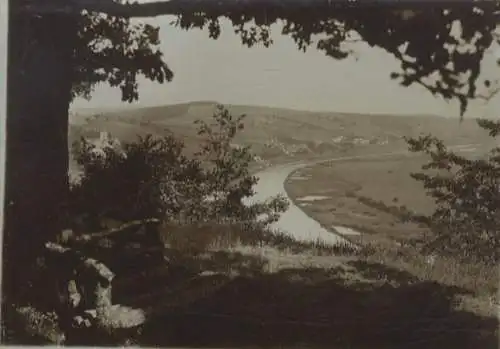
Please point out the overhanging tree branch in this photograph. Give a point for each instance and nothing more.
(323, 8)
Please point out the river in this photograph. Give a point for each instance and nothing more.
(294, 221)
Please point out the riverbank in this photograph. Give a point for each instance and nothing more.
(365, 194)
(294, 221)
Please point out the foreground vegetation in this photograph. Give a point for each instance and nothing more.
(189, 264)
(456, 243)
(44, 85)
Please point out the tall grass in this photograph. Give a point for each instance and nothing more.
(199, 237)
(479, 278)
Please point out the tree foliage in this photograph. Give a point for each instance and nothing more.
(228, 172)
(439, 46)
(466, 191)
(116, 51)
(136, 182)
(153, 178)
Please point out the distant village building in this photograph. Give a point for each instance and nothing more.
(105, 141)
(104, 136)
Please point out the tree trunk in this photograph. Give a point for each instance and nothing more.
(40, 52)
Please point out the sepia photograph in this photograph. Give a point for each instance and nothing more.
(250, 173)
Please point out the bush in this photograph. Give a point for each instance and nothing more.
(153, 178)
(466, 191)
(227, 177)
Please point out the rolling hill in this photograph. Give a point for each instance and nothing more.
(276, 132)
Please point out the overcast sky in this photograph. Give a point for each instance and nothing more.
(282, 76)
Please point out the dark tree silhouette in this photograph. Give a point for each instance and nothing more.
(56, 52)
(425, 39)
(52, 59)
(466, 192)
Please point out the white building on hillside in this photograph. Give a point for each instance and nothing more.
(105, 141)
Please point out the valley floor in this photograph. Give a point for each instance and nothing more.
(293, 293)
(366, 195)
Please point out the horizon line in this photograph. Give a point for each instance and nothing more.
(132, 107)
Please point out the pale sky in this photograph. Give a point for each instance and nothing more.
(281, 76)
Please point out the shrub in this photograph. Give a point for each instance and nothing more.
(227, 173)
(466, 191)
(138, 180)
(154, 178)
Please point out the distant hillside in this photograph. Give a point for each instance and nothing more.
(270, 130)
